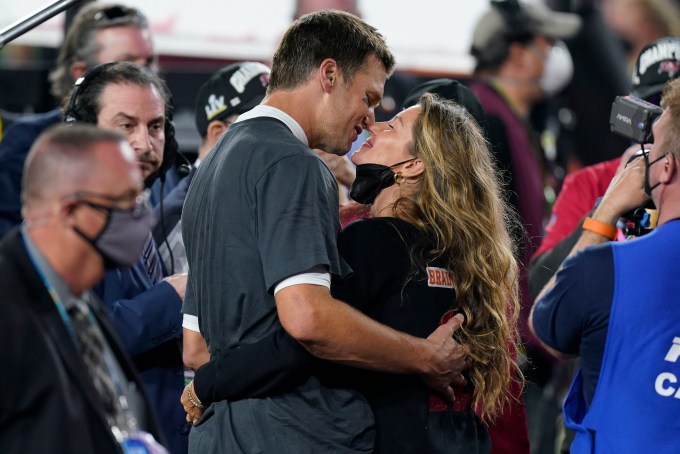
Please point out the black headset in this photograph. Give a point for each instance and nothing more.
(518, 29)
(74, 113)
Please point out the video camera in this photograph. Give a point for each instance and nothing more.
(633, 118)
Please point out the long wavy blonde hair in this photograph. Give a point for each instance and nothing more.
(458, 203)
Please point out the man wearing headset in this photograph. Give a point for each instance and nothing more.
(71, 387)
(100, 33)
(144, 306)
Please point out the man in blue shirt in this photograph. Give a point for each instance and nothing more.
(615, 306)
(144, 306)
(71, 388)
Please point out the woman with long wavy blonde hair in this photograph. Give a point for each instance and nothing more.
(429, 175)
(458, 202)
(436, 245)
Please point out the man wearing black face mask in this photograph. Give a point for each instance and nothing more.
(615, 305)
(144, 306)
(71, 387)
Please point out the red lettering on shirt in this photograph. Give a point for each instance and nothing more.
(439, 277)
(430, 273)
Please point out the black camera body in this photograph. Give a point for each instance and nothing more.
(633, 118)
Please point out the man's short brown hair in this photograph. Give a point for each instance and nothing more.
(326, 34)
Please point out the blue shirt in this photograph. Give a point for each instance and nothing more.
(636, 399)
(573, 317)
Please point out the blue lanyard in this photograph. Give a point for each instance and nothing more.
(121, 397)
(132, 441)
(61, 308)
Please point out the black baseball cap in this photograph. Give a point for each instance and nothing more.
(452, 90)
(657, 63)
(234, 89)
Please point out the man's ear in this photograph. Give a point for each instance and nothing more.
(329, 74)
(78, 70)
(669, 169)
(215, 130)
(68, 213)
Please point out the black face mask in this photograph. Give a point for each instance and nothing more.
(371, 179)
(647, 187)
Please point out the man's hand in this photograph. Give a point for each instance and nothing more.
(189, 400)
(179, 283)
(448, 358)
(625, 192)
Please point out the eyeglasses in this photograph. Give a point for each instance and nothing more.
(140, 207)
(114, 14)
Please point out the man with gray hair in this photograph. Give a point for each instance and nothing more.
(71, 387)
(100, 33)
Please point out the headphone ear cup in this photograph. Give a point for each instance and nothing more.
(75, 115)
(74, 112)
(70, 114)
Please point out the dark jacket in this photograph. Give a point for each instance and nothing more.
(14, 147)
(48, 404)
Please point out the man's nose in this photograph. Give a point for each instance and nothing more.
(142, 139)
(369, 119)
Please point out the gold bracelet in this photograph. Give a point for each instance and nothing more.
(194, 399)
(606, 230)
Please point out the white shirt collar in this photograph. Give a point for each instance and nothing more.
(269, 111)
